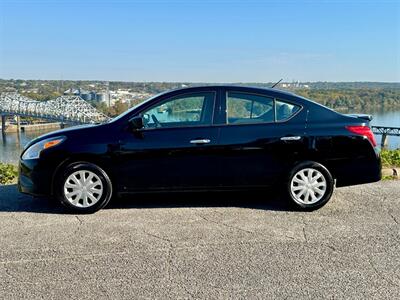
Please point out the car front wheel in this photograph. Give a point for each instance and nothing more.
(84, 188)
(310, 186)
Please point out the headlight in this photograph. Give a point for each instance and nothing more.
(34, 150)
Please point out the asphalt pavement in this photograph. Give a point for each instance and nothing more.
(206, 245)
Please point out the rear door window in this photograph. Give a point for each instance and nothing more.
(249, 108)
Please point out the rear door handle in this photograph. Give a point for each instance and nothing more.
(291, 138)
(200, 141)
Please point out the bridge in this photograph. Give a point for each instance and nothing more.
(395, 131)
(385, 131)
(65, 109)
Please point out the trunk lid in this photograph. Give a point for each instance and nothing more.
(361, 116)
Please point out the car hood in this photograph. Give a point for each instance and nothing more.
(60, 132)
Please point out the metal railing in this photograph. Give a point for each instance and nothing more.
(395, 131)
(385, 131)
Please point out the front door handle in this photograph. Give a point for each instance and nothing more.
(291, 138)
(200, 141)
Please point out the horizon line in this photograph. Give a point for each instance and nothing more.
(213, 82)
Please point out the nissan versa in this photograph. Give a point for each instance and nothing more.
(205, 138)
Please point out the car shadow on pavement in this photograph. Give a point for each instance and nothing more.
(13, 201)
(266, 200)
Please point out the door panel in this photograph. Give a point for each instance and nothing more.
(175, 149)
(168, 159)
(254, 152)
(255, 155)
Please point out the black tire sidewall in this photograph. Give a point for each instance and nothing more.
(329, 185)
(107, 187)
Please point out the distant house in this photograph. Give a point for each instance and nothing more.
(72, 91)
(84, 94)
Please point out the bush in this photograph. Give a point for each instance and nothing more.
(8, 173)
(390, 158)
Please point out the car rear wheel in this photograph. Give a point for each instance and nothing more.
(310, 186)
(84, 188)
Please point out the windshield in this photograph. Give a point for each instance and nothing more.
(133, 108)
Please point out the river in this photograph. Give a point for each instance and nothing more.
(11, 144)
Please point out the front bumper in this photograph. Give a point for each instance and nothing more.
(35, 177)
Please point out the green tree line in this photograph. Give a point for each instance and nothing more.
(364, 99)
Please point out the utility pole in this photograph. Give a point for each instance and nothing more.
(3, 124)
(18, 124)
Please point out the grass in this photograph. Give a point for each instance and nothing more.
(390, 158)
(8, 173)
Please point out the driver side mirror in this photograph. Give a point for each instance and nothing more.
(136, 123)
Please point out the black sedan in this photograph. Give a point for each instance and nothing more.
(205, 138)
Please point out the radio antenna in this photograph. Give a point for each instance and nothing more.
(276, 83)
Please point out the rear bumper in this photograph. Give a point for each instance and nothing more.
(358, 171)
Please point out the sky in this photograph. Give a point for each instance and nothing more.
(200, 41)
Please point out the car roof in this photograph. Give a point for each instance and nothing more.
(272, 92)
(236, 87)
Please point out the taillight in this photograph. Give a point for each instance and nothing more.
(364, 131)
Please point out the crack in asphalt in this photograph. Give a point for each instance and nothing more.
(304, 229)
(223, 224)
(383, 199)
(95, 255)
(79, 220)
(389, 212)
(379, 273)
(307, 245)
(170, 263)
(75, 256)
(16, 219)
(171, 255)
(171, 268)
(330, 247)
(78, 228)
(393, 217)
(8, 273)
(157, 236)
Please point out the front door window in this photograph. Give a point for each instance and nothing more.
(181, 111)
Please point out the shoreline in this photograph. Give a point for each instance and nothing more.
(13, 128)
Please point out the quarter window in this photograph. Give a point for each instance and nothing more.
(285, 110)
(184, 110)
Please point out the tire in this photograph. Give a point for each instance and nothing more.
(86, 195)
(310, 186)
